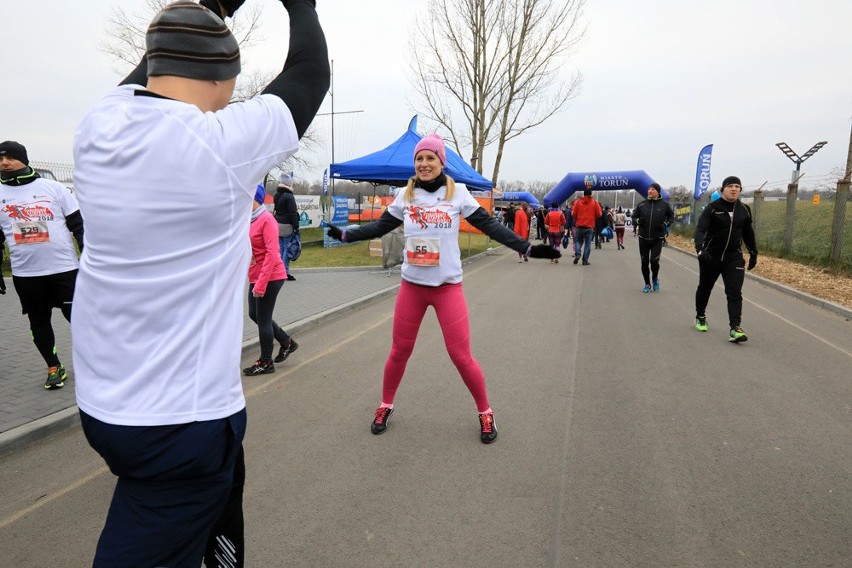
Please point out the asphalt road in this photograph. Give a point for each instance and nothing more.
(626, 437)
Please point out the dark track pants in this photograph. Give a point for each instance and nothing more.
(650, 251)
(175, 484)
(732, 270)
(260, 312)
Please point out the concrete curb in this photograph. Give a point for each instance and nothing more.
(47, 426)
(804, 296)
(40, 429)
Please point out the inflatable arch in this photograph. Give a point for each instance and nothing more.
(517, 196)
(600, 181)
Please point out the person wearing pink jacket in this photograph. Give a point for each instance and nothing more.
(266, 276)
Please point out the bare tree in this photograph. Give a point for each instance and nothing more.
(680, 194)
(126, 46)
(490, 70)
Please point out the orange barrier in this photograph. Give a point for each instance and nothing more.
(366, 215)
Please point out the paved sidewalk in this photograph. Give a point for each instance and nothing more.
(29, 412)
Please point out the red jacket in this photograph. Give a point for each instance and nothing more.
(522, 224)
(585, 212)
(554, 221)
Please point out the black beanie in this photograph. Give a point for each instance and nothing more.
(188, 40)
(587, 192)
(730, 180)
(14, 150)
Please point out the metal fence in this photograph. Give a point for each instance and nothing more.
(63, 173)
(814, 231)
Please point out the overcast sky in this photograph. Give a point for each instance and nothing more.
(661, 79)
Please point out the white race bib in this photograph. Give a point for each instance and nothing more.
(30, 232)
(423, 252)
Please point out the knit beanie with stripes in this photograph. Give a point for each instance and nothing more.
(188, 40)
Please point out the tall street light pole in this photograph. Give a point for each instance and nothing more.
(793, 189)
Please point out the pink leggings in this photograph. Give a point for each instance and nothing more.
(451, 309)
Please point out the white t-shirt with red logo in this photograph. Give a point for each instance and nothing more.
(166, 192)
(431, 229)
(32, 217)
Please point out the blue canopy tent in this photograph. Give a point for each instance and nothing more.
(395, 164)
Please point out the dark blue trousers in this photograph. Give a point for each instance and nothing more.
(174, 482)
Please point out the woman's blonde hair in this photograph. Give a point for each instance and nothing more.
(409, 189)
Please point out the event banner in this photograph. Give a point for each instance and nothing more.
(310, 214)
(702, 171)
(339, 214)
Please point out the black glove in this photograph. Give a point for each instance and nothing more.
(703, 256)
(230, 6)
(335, 233)
(544, 251)
(2, 285)
(752, 260)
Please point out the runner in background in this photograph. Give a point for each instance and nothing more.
(620, 223)
(522, 227)
(555, 223)
(723, 227)
(266, 276)
(652, 217)
(37, 220)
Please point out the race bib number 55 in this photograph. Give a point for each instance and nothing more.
(423, 252)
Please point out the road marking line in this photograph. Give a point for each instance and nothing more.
(52, 497)
(278, 376)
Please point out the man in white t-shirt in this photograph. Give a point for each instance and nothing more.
(165, 173)
(37, 220)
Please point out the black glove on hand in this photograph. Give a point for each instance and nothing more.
(335, 233)
(544, 251)
(752, 260)
(230, 6)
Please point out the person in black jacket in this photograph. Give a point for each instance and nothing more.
(540, 230)
(287, 214)
(722, 226)
(652, 217)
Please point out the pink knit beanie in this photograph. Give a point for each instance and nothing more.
(434, 143)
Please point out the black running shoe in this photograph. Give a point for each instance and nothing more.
(55, 378)
(285, 350)
(576, 258)
(380, 422)
(259, 368)
(488, 430)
